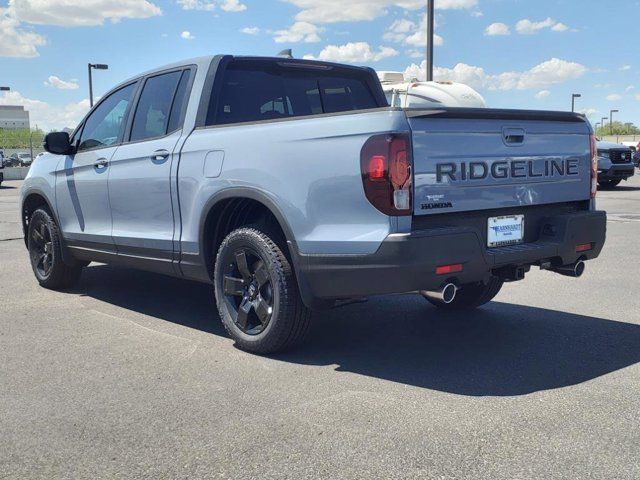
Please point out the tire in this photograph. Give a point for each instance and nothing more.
(609, 183)
(45, 252)
(472, 296)
(257, 293)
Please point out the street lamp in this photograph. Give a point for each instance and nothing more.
(597, 125)
(97, 66)
(573, 100)
(430, 37)
(611, 120)
(4, 89)
(604, 121)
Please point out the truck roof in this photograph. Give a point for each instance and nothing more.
(205, 61)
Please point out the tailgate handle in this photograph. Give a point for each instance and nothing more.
(513, 136)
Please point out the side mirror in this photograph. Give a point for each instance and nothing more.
(58, 143)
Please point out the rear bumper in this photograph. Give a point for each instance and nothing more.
(408, 262)
(617, 172)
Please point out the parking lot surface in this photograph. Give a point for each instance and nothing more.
(131, 375)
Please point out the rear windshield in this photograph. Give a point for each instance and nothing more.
(253, 92)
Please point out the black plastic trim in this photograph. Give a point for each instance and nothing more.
(407, 263)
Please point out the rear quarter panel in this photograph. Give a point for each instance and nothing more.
(309, 168)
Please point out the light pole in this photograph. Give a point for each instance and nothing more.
(430, 37)
(573, 100)
(4, 89)
(604, 122)
(597, 126)
(611, 120)
(97, 66)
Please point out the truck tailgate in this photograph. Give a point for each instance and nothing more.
(468, 159)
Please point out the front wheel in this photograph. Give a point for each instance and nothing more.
(609, 183)
(257, 293)
(45, 251)
(472, 296)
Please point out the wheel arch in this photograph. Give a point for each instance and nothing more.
(32, 200)
(209, 244)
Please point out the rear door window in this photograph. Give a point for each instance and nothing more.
(154, 107)
(253, 92)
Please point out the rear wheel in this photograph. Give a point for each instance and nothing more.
(472, 295)
(609, 183)
(45, 251)
(257, 293)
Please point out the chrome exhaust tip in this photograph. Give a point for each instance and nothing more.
(575, 270)
(447, 294)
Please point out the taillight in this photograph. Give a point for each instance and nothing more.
(594, 166)
(385, 162)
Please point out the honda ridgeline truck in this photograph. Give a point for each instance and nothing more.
(291, 185)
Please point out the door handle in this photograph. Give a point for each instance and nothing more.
(101, 164)
(160, 155)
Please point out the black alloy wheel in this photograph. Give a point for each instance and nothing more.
(249, 290)
(41, 250)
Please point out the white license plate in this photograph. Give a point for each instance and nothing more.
(504, 231)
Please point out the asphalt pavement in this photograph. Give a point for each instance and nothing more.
(132, 376)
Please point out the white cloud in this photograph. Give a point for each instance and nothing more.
(399, 30)
(332, 11)
(614, 97)
(250, 30)
(233, 6)
(544, 75)
(638, 96)
(528, 27)
(406, 31)
(206, 5)
(358, 52)
(16, 41)
(542, 94)
(298, 32)
(625, 68)
(630, 88)
(559, 27)
(57, 82)
(71, 13)
(46, 116)
(187, 35)
(497, 29)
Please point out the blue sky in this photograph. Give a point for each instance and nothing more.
(517, 53)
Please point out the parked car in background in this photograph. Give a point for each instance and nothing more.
(634, 146)
(615, 164)
(11, 161)
(24, 160)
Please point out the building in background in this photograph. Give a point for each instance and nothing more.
(14, 117)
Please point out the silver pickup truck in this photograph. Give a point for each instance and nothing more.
(291, 185)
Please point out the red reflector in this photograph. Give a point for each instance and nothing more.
(377, 167)
(584, 247)
(446, 269)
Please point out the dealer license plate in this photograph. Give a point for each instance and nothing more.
(503, 231)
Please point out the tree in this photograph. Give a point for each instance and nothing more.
(21, 139)
(619, 128)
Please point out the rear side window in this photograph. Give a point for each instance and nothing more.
(253, 92)
(160, 107)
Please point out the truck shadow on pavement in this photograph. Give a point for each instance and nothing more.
(499, 350)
